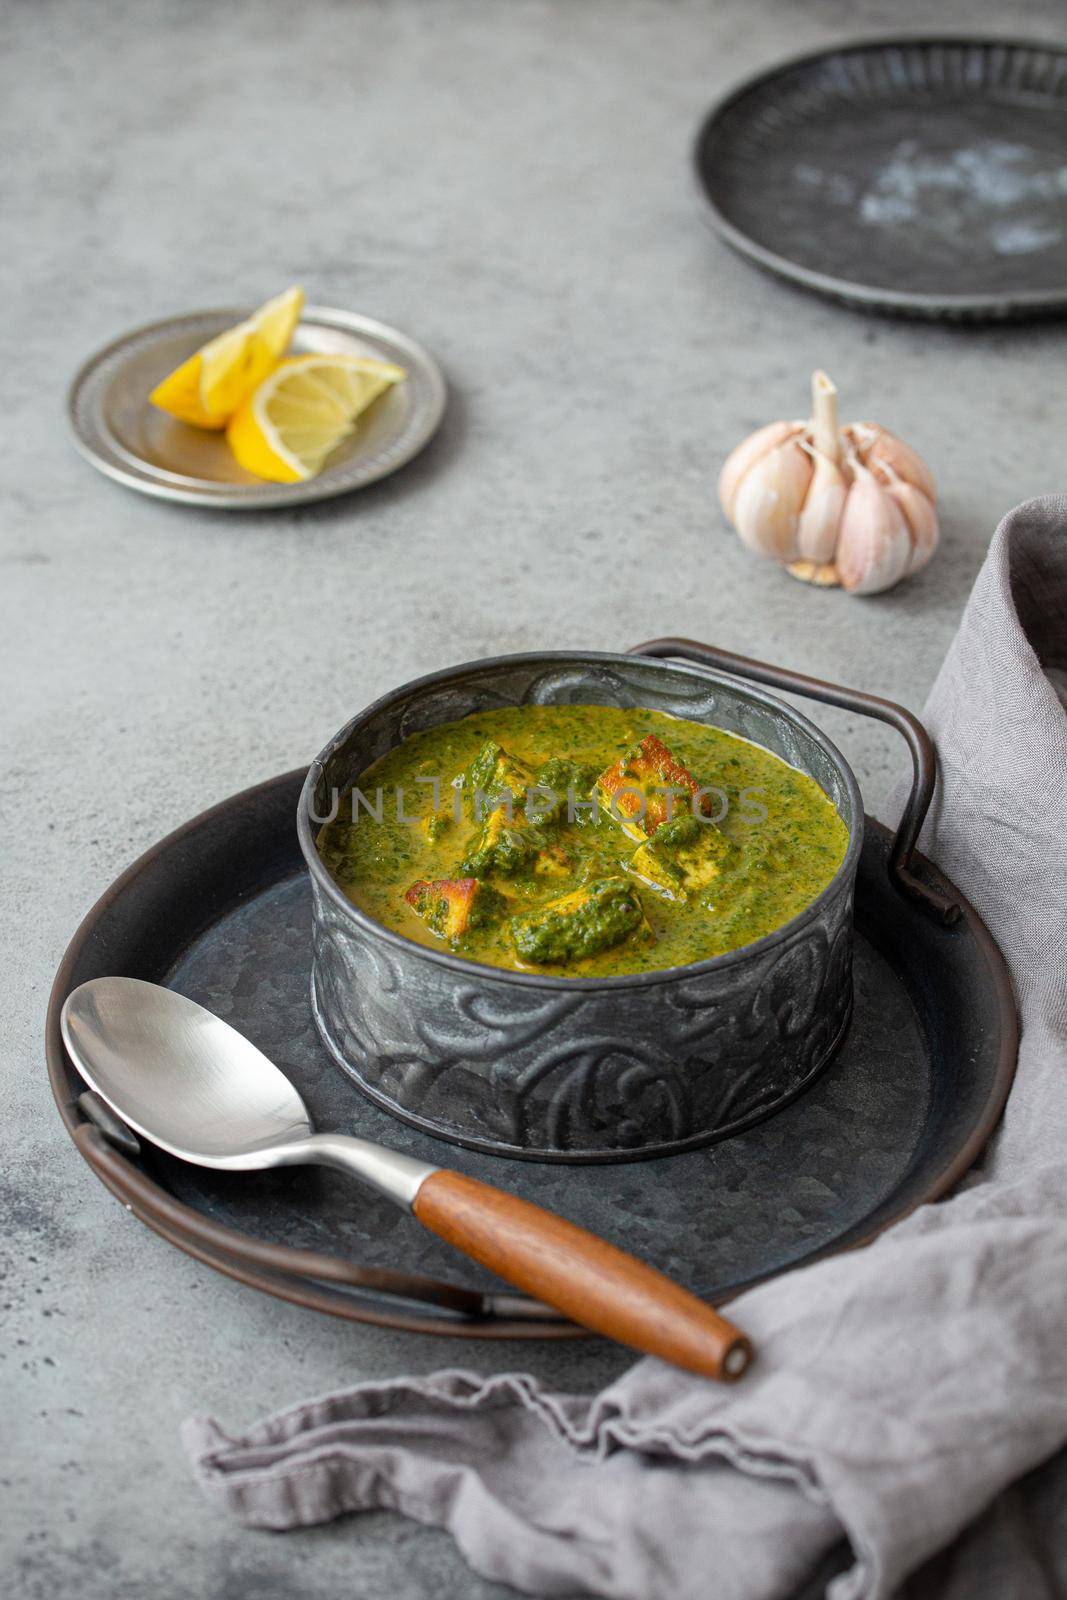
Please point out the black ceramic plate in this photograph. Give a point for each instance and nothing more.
(917, 176)
(221, 912)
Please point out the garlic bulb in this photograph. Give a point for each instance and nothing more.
(852, 506)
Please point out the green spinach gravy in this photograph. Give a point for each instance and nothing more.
(582, 840)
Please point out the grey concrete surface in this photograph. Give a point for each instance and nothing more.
(508, 181)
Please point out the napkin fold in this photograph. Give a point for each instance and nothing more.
(898, 1389)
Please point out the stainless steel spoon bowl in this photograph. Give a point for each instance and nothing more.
(195, 1086)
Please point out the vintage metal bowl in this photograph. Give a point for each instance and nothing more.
(595, 1069)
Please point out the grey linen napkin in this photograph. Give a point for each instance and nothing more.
(899, 1389)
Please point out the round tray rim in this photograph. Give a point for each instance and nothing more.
(235, 1254)
(1012, 304)
(135, 473)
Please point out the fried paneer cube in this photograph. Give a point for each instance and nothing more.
(636, 787)
(583, 923)
(682, 857)
(451, 906)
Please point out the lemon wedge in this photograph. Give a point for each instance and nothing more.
(303, 411)
(207, 389)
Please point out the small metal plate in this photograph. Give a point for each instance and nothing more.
(125, 436)
(920, 177)
(221, 911)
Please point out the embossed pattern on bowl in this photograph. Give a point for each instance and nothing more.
(587, 1069)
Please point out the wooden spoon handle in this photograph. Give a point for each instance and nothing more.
(586, 1278)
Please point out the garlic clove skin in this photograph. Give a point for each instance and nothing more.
(741, 460)
(890, 459)
(821, 513)
(874, 539)
(768, 502)
(922, 523)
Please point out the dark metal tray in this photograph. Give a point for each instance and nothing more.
(915, 176)
(220, 910)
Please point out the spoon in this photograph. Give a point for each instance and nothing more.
(193, 1085)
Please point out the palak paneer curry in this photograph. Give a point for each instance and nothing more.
(582, 840)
